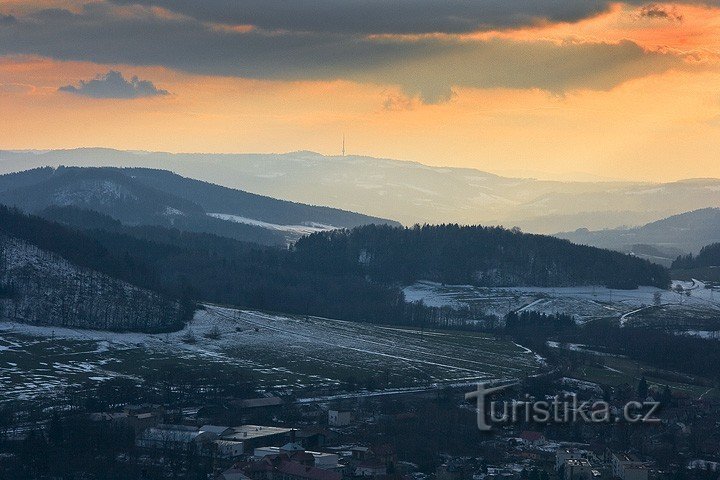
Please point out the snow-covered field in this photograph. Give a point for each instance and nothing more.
(285, 353)
(292, 231)
(692, 301)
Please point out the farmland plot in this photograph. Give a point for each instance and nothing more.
(645, 305)
(289, 354)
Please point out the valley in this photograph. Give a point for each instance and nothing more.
(288, 355)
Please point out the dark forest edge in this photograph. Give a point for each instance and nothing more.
(345, 274)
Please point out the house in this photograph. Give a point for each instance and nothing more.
(533, 438)
(142, 421)
(578, 469)
(371, 468)
(175, 438)
(339, 418)
(563, 454)
(360, 453)
(228, 448)
(628, 467)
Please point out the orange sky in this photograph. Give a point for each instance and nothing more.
(662, 125)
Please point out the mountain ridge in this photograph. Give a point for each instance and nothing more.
(144, 196)
(411, 192)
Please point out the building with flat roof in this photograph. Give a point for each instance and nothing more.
(578, 469)
(563, 454)
(254, 436)
(629, 467)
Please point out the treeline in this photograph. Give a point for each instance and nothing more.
(529, 322)
(709, 256)
(664, 350)
(483, 256)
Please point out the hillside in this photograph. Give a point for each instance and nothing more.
(661, 241)
(153, 197)
(408, 191)
(483, 256)
(42, 288)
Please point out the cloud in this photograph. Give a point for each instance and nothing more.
(655, 11)
(381, 16)
(426, 67)
(6, 19)
(114, 85)
(365, 17)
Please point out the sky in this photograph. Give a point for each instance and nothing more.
(549, 89)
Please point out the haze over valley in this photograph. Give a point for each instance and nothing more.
(410, 192)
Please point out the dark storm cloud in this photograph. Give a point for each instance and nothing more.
(114, 85)
(381, 16)
(428, 67)
(391, 17)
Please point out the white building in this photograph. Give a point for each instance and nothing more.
(563, 454)
(254, 436)
(578, 469)
(339, 418)
(228, 448)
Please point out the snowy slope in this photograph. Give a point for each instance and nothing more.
(42, 288)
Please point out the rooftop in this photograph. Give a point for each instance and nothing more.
(247, 432)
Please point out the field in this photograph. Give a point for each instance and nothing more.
(287, 354)
(692, 310)
(695, 310)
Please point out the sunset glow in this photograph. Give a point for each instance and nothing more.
(629, 92)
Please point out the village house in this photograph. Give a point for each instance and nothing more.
(577, 469)
(228, 449)
(628, 467)
(339, 418)
(564, 454)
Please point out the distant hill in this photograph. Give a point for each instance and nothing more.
(408, 191)
(480, 256)
(154, 197)
(661, 241)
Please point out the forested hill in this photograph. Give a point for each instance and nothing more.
(46, 278)
(141, 196)
(709, 256)
(484, 256)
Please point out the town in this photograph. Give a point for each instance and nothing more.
(429, 435)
